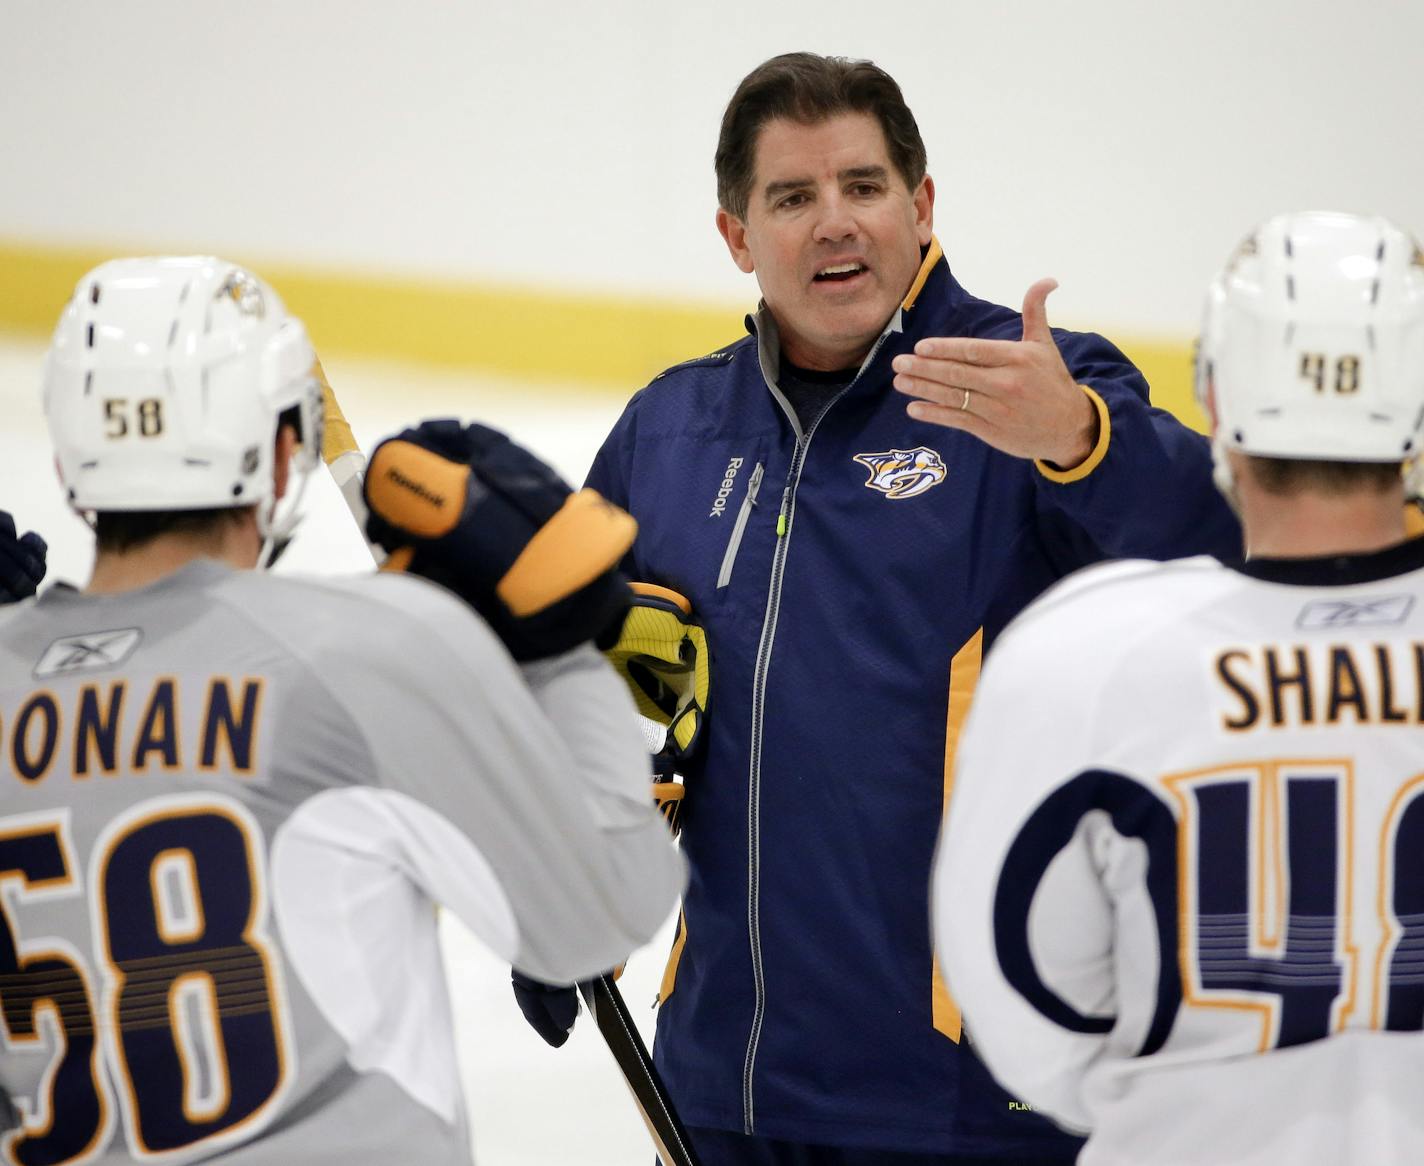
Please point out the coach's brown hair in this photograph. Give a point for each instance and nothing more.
(808, 88)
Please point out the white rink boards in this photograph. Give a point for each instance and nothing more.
(529, 1105)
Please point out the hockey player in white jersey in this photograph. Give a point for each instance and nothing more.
(229, 800)
(1180, 895)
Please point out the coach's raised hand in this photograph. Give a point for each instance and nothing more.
(22, 561)
(1016, 395)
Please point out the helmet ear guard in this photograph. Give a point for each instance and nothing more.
(1312, 343)
(163, 387)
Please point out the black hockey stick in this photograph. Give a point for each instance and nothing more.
(610, 1013)
(347, 463)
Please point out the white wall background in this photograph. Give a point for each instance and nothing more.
(1121, 145)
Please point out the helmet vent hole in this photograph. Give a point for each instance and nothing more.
(173, 332)
(1239, 437)
(89, 337)
(94, 294)
(1379, 252)
(1289, 251)
(237, 490)
(1374, 293)
(1408, 444)
(1290, 287)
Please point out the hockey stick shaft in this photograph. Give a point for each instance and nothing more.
(610, 1013)
(347, 463)
(343, 457)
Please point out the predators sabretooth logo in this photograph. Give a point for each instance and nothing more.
(244, 291)
(903, 473)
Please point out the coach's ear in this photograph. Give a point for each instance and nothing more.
(923, 199)
(734, 232)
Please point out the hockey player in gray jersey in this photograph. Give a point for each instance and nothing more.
(1181, 891)
(229, 800)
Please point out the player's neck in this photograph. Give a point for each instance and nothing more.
(237, 545)
(1314, 525)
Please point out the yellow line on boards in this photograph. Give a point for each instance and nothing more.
(614, 341)
(1167, 365)
(610, 342)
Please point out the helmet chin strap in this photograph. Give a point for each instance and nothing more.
(1414, 478)
(1222, 476)
(276, 529)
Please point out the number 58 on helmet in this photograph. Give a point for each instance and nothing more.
(165, 383)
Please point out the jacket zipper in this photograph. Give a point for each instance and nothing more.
(763, 665)
(724, 576)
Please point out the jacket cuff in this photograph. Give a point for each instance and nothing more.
(1090, 463)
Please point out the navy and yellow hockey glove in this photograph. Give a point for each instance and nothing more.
(550, 1009)
(465, 506)
(661, 654)
(22, 561)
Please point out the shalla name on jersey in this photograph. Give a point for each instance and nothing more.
(119, 727)
(1281, 685)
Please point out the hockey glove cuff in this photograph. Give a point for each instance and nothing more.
(661, 654)
(470, 509)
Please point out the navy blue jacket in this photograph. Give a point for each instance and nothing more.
(849, 579)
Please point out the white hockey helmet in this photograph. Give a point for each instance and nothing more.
(1312, 344)
(164, 383)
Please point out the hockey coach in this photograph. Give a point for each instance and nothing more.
(851, 560)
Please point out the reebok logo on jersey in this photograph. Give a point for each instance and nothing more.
(724, 491)
(903, 473)
(88, 652)
(1348, 613)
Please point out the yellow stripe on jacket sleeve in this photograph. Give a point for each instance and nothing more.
(963, 678)
(1091, 462)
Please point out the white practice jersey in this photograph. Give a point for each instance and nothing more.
(228, 805)
(1180, 893)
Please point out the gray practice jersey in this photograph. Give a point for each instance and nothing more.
(227, 803)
